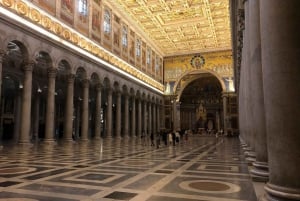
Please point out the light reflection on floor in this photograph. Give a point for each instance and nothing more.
(203, 168)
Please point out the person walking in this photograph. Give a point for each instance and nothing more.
(152, 139)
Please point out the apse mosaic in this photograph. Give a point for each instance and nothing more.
(216, 63)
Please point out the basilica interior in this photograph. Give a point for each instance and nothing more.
(149, 100)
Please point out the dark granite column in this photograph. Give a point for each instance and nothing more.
(224, 97)
(280, 44)
(26, 104)
(85, 110)
(260, 170)
(18, 116)
(98, 113)
(149, 118)
(133, 119)
(145, 118)
(247, 82)
(109, 115)
(36, 116)
(118, 115)
(2, 53)
(154, 120)
(68, 125)
(139, 129)
(49, 130)
(126, 116)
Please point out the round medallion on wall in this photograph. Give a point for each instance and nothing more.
(197, 61)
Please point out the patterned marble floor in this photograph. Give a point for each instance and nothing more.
(200, 169)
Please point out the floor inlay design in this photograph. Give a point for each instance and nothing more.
(201, 169)
(209, 186)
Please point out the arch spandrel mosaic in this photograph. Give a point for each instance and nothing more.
(218, 63)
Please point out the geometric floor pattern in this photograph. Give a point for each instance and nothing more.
(200, 169)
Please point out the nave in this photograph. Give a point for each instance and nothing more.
(200, 168)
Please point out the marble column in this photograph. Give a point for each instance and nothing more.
(154, 120)
(158, 118)
(224, 113)
(280, 42)
(98, 113)
(241, 104)
(36, 117)
(77, 119)
(109, 114)
(18, 116)
(218, 121)
(118, 115)
(139, 128)
(260, 170)
(133, 119)
(68, 125)
(242, 83)
(249, 134)
(149, 118)
(145, 128)
(2, 53)
(173, 114)
(24, 137)
(126, 116)
(177, 115)
(50, 109)
(85, 110)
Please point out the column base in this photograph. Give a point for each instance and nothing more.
(243, 144)
(246, 148)
(278, 193)
(24, 142)
(260, 171)
(49, 141)
(251, 154)
(108, 138)
(98, 138)
(84, 140)
(68, 140)
(250, 160)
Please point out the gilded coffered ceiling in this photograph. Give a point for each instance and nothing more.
(180, 26)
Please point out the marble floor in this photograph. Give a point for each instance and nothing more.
(200, 169)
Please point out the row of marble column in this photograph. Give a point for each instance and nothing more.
(269, 95)
(150, 124)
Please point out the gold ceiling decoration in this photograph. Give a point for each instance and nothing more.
(179, 27)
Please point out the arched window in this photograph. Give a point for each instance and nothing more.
(124, 36)
(82, 7)
(138, 48)
(107, 22)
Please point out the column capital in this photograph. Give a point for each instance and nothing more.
(98, 87)
(52, 72)
(28, 66)
(109, 90)
(85, 83)
(117, 92)
(70, 78)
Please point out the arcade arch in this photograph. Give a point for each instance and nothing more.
(52, 99)
(197, 103)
